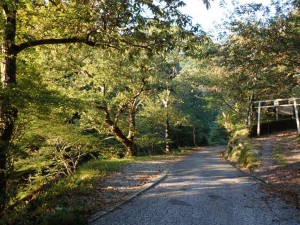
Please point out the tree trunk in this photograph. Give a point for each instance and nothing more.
(131, 149)
(194, 135)
(249, 110)
(167, 135)
(167, 131)
(131, 118)
(8, 64)
(8, 114)
(127, 143)
(116, 131)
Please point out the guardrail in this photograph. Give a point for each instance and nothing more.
(277, 103)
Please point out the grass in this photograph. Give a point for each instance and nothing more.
(243, 155)
(79, 187)
(74, 195)
(278, 154)
(171, 155)
(240, 151)
(71, 196)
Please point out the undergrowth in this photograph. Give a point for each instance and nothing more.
(65, 200)
(72, 198)
(278, 154)
(240, 151)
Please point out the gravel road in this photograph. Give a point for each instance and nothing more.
(203, 189)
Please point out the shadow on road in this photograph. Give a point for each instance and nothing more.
(202, 189)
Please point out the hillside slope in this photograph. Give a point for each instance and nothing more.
(279, 164)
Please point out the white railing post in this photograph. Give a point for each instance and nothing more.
(297, 115)
(258, 118)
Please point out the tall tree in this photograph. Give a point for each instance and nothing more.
(96, 23)
(261, 56)
(113, 85)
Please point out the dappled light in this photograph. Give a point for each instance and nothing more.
(99, 99)
(214, 192)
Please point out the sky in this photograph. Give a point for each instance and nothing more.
(208, 17)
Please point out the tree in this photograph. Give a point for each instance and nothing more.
(195, 103)
(113, 24)
(260, 56)
(46, 118)
(111, 85)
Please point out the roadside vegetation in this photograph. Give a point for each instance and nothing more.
(89, 86)
(240, 150)
(252, 71)
(72, 199)
(278, 154)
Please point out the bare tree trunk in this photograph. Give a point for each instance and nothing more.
(167, 128)
(132, 107)
(131, 118)
(167, 135)
(8, 114)
(249, 110)
(127, 143)
(194, 135)
(116, 131)
(8, 48)
(7, 127)
(131, 149)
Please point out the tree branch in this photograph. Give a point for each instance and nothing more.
(120, 111)
(125, 105)
(141, 89)
(50, 41)
(230, 106)
(107, 115)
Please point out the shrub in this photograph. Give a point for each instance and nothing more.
(62, 216)
(239, 150)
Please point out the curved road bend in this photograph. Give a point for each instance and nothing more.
(203, 189)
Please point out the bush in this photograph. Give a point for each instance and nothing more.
(62, 216)
(218, 135)
(239, 150)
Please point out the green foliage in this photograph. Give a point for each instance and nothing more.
(257, 61)
(239, 150)
(62, 216)
(70, 199)
(71, 99)
(67, 200)
(111, 24)
(82, 181)
(60, 125)
(278, 154)
(218, 135)
(259, 56)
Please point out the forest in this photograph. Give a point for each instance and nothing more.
(86, 82)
